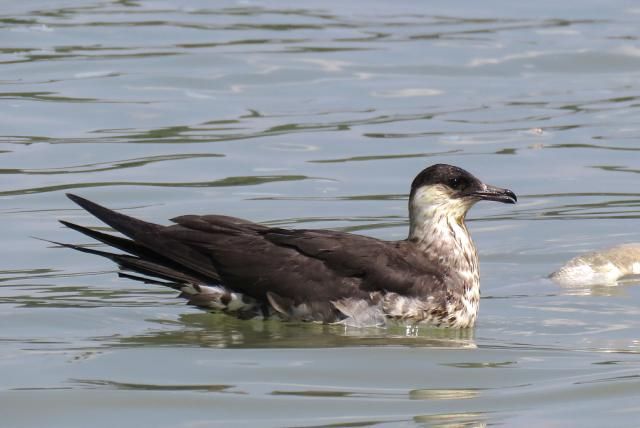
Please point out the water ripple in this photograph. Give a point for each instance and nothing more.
(224, 182)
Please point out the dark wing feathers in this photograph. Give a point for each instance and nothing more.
(296, 266)
(126, 245)
(217, 223)
(388, 266)
(144, 267)
(124, 224)
(147, 235)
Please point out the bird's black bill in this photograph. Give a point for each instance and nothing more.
(492, 193)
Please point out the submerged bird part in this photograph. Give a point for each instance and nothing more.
(248, 270)
(600, 267)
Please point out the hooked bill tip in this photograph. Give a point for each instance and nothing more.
(497, 194)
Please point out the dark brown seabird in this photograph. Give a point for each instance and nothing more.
(251, 270)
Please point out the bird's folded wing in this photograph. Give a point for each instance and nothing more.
(393, 266)
(306, 264)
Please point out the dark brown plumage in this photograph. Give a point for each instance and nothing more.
(249, 269)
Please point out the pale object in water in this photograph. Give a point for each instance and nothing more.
(600, 267)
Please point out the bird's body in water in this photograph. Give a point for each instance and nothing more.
(249, 270)
(603, 267)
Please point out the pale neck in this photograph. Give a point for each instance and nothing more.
(441, 231)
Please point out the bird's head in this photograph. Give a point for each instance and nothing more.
(448, 191)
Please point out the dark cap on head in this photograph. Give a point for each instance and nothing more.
(461, 183)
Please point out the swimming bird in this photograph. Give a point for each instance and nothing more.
(603, 267)
(252, 270)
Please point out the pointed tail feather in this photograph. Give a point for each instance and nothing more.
(135, 264)
(135, 249)
(128, 226)
(146, 280)
(203, 296)
(149, 236)
(159, 259)
(123, 244)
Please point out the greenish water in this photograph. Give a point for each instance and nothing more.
(317, 114)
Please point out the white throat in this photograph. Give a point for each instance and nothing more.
(437, 226)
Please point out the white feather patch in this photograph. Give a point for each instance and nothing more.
(219, 298)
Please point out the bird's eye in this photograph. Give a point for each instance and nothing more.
(455, 183)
